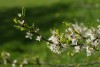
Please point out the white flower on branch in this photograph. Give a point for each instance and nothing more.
(29, 35)
(77, 48)
(74, 41)
(36, 30)
(77, 27)
(88, 41)
(69, 29)
(89, 51)
(38, 38)
(54, 39)
(22, 22)
(14, 63)
(54, 48)
(95, 43)
(90, 34)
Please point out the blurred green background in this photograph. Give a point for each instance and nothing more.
(46, 14)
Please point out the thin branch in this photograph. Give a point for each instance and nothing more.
(37, 34)
(78, 33)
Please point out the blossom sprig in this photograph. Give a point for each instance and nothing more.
(76, 36)
(84, 38)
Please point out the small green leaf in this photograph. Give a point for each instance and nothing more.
(22, 29)
(23, 11)
(57, 32)
(15, 20)
(68, 24)
(68, 41)
(19, 27)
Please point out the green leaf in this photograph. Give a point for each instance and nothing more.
(68, 24)
(19, 27)
(22, 29)
(57, 32)
(68, 41)
(15, 20)
(81, 41)
(23, 11)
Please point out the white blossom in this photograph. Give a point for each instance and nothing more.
(69, 29)
(64, 45)
(95, 43)
(88, 41)
(77, 27)
(89, 51)
(29, 35)
(25, 61)
(77, 48)
(14, 63)
(74, 41)
(36, 30)
(55, 48)
(90, 34)
(22, 22)
(38, 38)
(19, 15)
(54, 39)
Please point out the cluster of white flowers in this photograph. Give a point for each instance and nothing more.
(56, 46)
(89, 51)
(29, 35)
(78, 36)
